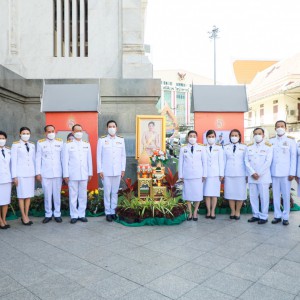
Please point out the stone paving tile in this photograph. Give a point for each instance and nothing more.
(202, 245)
(271, 250)
(9, 285)
(20, 295)
(261, 260)
(166, 262)
(143, 293)
(287, 267)
(294, 254)
(245, 271)
(228, 284)
(171, 286)
(112, 287)
(186, 252)
(213, 261)
(262, 292)
(194, 272)
(281, 282)
(140, 254)
(205, 293)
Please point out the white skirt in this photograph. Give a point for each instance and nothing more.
(193, 190)
(25, 188)
(235, 188)
(5, 193)
(212, 186)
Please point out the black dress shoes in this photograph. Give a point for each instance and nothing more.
(27, 224)
(114, 217)
(253, 219)
(195, 219)
(262, 221)
(3, 227)
(285, 222)
(276, 220)
(47, 220)
(189, 218)
(73, 221)
(58, 219)
(232, 217)
(213, 217)
(237, 217)
(84, 219)
(109, 218)
(207, 217)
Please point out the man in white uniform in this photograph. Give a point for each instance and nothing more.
(111, 163)
(49, 172)
(77, 172)
(283, 171)
(258, 161)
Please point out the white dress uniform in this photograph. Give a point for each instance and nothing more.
(5, 176)
(77, 166)
(283, 165)
(192, 167)
(258, 160)
(111, 160)
(23, 168)
(235, 187)
(215, 170)
(298, 165)
(49, 166)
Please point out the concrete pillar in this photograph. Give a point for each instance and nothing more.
(59, 28)
(82, 37)
(67, 28)
(74, 28)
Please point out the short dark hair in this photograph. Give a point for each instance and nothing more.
(151, 122)
(239, 133)
(46, 127)
(3, 133)
(192, 131)
(210, 131)
(24, 128)
(257, 128)
(73, 127)
(111, 121)
(69, 135)
(280, 121)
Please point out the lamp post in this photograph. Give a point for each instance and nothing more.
(213, 35)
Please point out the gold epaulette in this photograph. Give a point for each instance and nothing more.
(250, 144)
(103, 136)
(205, 144)
(58, 139)
(200, 144)
(31, 142)
(86, 142)
(69, 141)
(7, 147)
(268, 144)
(120, 136)
(183, 145)
(290, 137)
(42, 140)
(16, 142)
(227, 144)
(218, 144)
(272, 137)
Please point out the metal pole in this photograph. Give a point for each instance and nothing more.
(213, 35)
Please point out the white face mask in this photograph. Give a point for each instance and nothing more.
(258, 138)
(25, 137)
(2, 143)
(211, 141)
(112, 130)
(192, 141)
(51, 136)
(234, 139)
(280, 131)
(78, 135)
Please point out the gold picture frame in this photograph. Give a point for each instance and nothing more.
(149, 136)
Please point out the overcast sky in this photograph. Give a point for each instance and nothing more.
(177, 31)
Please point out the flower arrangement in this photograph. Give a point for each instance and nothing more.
(159, 156)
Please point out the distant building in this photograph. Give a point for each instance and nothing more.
(273, 95)
(176, 91)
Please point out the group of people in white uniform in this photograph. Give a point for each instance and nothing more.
(51, 161)
(204, 167)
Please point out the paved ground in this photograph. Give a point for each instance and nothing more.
(208, 259)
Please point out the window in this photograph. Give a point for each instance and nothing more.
(180, 108)
(70, 28)
(275, 101)
(262, 105)
(167, 98)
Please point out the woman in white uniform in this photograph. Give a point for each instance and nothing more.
(215, 173)
(235, 189)
(23, 171)
(192, 169)
(5, 180)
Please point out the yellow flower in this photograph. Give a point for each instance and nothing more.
(96, 192)
(62, 192)
(92, 193)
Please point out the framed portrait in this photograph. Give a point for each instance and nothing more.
(150, 134)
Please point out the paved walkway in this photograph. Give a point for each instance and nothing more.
(208, 259)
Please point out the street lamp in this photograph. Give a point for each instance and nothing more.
(213, 35)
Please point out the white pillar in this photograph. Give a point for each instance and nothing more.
(74, 28)
(59, 26)
(67, 29)
(82, 38)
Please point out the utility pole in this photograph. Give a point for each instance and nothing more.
(213, 35)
